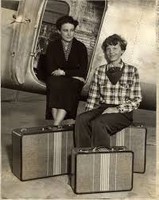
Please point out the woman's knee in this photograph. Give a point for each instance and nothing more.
(96, 123)
(87, 117)
(81, 118)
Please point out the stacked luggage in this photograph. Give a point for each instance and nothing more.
(47, 151)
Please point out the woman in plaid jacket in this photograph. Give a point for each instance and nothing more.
(113, 95)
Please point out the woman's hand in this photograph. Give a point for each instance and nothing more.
(110, 110)
(58, 72)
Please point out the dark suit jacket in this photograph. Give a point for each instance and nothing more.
(77, 61)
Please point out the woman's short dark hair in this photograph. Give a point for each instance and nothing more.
(65, 19)
(113, 40)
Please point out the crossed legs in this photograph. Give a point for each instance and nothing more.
(58, 115)
(94, 129)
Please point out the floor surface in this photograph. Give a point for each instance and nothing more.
(25, 110)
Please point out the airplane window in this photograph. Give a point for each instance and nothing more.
(12, 5)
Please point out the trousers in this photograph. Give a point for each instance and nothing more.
(93, 129)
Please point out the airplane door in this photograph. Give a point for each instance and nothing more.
(47, 32)
(24, 26)
(89, 15)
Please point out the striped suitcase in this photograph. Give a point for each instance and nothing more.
(101, 171)
(42, 151)
(134, 138)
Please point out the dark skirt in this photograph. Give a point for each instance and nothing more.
(63, 93)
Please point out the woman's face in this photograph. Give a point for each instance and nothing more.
(67, 32)
(113, 53)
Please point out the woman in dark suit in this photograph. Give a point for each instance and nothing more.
(66, 71)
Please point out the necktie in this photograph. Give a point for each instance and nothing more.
(114, 74)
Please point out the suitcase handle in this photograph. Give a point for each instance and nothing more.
(23, 130)
(86, 150)
(59, 126)
(103, 149)
(53, 127)
(113, 148)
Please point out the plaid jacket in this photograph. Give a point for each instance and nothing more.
(126, 93)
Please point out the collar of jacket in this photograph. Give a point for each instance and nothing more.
(111, 65)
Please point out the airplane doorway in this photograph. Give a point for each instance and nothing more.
(54, 9)
(88, 13)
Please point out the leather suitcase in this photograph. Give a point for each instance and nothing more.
(134, 138)
(94, 171)
(42, 151)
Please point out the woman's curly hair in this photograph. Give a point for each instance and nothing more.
(113, 40)
(65, 19)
